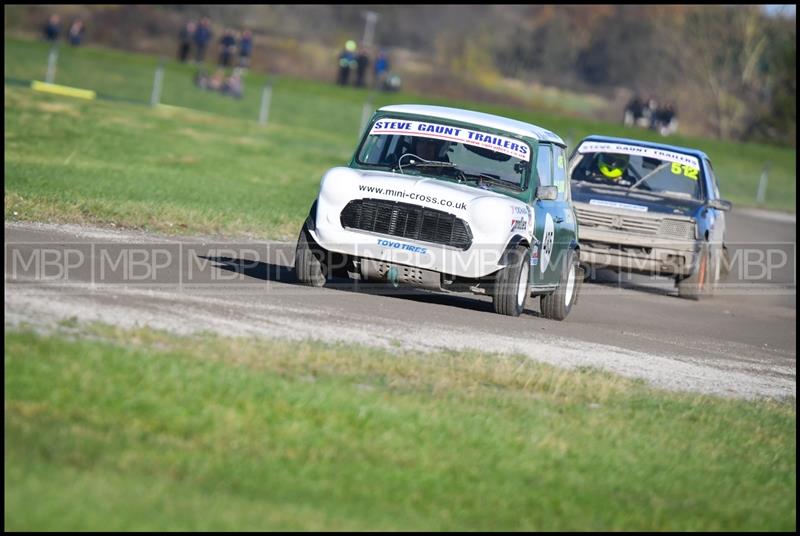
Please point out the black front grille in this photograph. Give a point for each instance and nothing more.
(407, 221)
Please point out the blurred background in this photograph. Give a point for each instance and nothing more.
(226, 116)
(731, 69)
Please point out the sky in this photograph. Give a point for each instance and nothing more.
(787, 10)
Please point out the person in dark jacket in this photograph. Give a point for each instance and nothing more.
(185, 41)
(52, 28)
(227, 48)
(347, 59)
(245, 49)
(362, 63)
(76, 32)
(381, 68)
(202, 36)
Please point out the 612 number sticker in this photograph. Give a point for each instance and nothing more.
(687, 171)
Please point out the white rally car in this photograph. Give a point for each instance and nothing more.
(449, 199)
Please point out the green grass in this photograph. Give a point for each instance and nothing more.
(169, 170)
(139, 430)
(215, 170)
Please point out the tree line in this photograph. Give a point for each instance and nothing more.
(730, 69)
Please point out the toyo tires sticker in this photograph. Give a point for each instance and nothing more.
(547, 242)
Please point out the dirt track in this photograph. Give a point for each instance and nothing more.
(741, 343)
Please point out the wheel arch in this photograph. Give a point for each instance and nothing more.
(513, 243)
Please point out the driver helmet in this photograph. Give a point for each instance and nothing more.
(612, 166)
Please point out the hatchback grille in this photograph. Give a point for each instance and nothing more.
(633, 224)
(405, 220)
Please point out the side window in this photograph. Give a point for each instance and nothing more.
(544, 165)
(560, 172)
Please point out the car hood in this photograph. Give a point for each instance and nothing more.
(638, 201)
(344, 184)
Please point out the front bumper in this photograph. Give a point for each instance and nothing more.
(480, 260)
(635, 253)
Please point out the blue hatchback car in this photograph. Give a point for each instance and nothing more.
(650, 208)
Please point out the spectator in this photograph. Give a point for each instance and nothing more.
(215, 82)
(202, 36)
(381, 68)
(362, 62)
(633, 111)
(347, 59)
(392, 83)
(227, 48)
(52, 28)
(666, 120)
(201, 79)
(648, 113)
(245, 49)
(233, 85)
(185, 41)
(76, 32)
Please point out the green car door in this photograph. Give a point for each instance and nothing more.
(555, 225)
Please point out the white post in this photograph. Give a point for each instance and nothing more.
(155, 96)
(369, 28)
(762, 186)
(52, 60)
(266, 96)
(366, 112)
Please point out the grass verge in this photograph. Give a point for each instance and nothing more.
(140, 430)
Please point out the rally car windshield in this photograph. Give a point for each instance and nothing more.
(638, 169)
(451, 153)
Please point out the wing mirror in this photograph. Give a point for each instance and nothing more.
(720, 204)
(547, 193)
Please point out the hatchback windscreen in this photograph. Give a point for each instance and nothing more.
(633, 167)
(453, 153)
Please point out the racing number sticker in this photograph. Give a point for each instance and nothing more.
(547, 242)
(683, 169)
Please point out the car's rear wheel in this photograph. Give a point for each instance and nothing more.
(309, 260)
(511, 285)
(702, 281)
(558, 304)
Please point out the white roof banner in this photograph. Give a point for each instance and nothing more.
(501, 144)
(651, 152)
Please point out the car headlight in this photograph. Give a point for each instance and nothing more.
(678, 228)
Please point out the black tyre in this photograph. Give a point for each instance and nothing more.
(702, 281)
(511, 286)
(309, 260)
(558, 304)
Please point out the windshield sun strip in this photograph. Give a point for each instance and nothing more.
(525, 179)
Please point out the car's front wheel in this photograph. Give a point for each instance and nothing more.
(558, 304)
(511, 286)
(309, 260)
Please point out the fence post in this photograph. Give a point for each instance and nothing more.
(366, 112)
(155, 96)
(762, 185)
(569, 141)
(52, 61)
(266, 96)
